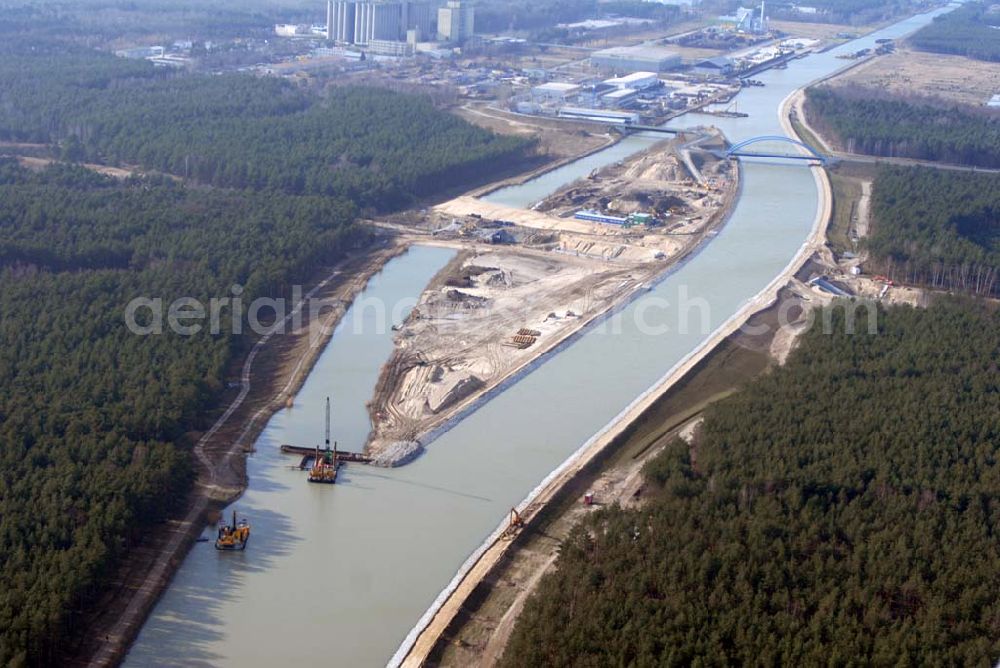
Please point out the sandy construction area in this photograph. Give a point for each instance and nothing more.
(459, 341)
(499, 307)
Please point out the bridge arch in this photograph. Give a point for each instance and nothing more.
(736, 149)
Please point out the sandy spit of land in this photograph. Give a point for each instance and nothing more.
(460, 344)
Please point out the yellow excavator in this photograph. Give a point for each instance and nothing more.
(233, 536)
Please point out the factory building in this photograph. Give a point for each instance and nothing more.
(141, 52)
(747, 20)
(554, 91)
(361, 22)
(597, 217)
(390, 48)
(635, 59)
(290, 30)
(456, 22)
(599, 115)
(377, 21)
(718, 66)
(619, 97)
(340, 21)
(636, 80)
(420, 17)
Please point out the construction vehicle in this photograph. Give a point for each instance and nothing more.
(324, 468)
(233, 536)
(514, 524)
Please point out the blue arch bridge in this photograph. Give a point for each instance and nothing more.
(739, 150)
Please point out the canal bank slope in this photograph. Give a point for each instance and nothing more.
(426, 635)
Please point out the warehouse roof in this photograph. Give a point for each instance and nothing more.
(620, 93)
(718, 62)
(640, 51)
(557, 87)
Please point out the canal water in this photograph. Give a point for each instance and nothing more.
(339, 575)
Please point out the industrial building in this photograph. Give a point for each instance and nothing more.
(554, 91)
(635, 59)
(340, 21)
(599, 115)
(636, 81)
(362, 22)
(456, 22)
(171, 60)
(291, 30)
(377, 21)
(141, 52)
(619, 97)
(390, 47)
(420, 19)
(717, 66)
(628, 221)
(748, 20)
(596, 217)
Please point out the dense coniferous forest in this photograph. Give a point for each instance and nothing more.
(535, 15)
(972, 30)
(531, 14)
(92, 417)
(863, 120)
(103, 21)
(377, 148)
(541, 16)
(840, 510)
(937, 228)
(92, 442)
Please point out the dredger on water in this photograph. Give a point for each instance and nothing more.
(233, 536)
(325, 464)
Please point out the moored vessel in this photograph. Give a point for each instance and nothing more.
(325, 465)
(233, 536)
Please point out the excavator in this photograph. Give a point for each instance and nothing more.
(233, 536)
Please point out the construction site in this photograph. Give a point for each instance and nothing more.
(526, 280)
(631, 194)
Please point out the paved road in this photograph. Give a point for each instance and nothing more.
(909, 162)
